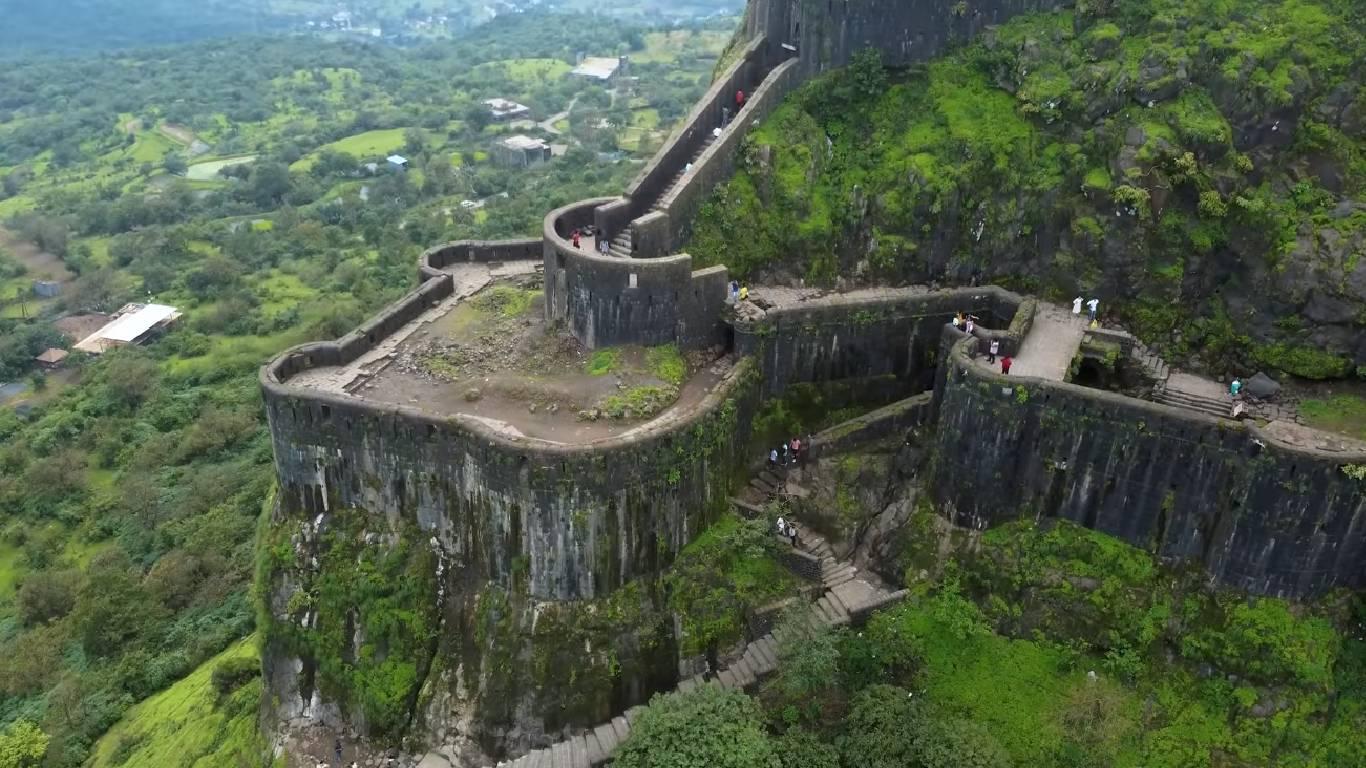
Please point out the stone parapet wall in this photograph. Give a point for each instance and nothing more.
(605, 300)
(654, 179)
(437, 258)
(885, 422)
(1259, 516)
(892, 332)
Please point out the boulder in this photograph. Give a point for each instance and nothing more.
(1261, 386)
(1323, 308)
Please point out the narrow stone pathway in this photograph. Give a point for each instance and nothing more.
(1050, 345)
(850, 594)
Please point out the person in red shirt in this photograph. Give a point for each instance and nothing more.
(575, 238)
(739, 100)
(1005, 364)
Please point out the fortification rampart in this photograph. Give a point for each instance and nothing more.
(605, 300)
(438, 257)
(869, 333)
(1259, 515)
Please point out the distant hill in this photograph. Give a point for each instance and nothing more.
(75, 25)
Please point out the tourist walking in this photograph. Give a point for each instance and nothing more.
(1076, 306)
(1234, 388)
(574, 237)
(1006, 362)
(1092, 305)
(739, 101)
(796, 449)
(773, 458)
(959, 320)
(992, 349)
(744, 293)
(969, 325)
(782, 526)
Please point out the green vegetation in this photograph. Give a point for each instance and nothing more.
(130, 491)
(1340, 413)
(204, 720)
(639, 402)
(667, 364)
(708, 728)
(728, 570)
(1087, 151)
(386, 596)
(505, 301)
(603, 361)
(1055, 646)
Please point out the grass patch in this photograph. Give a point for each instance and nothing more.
(505, 301)
(526, 71)
(189, 724)
(1345, 414)
(361, 146)
(603, 362)
(667, 364)
(638, 402)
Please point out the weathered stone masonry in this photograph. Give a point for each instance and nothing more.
(1258, 515)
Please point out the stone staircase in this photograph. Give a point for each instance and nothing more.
(621, 245)
(683, 172)
(849, 595)
(1153, 365)
(1194, 402)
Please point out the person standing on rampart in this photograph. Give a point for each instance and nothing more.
(574, 238)
(1006, 362)
(992, 349)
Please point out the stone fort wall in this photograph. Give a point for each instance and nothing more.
(788, 42)
(1258, 515)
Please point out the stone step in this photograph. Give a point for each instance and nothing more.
(559, 754)
(761, 486)
(621, 728)
(760, 661)
(744, 673)
(1195, 403)
(727, 679)
(765, 653)
(607, 739)
(840, 612)
(580, 751)
(634, 712)
(769, 477)
(539, 759)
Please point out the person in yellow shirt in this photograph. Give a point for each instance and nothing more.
(744, 293)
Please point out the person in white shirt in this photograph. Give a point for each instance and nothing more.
(1092, 305)
(1076, 306)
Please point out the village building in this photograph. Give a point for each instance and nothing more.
(502, 109)
(601, 69)
(397, 162)
(520, 152)
(134, 324)
(52, 358)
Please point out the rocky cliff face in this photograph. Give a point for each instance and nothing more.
(1200, 169)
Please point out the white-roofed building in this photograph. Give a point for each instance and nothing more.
(134, 324)
(502, 109)
(600, 68)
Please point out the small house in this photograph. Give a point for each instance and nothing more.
(46, 289)
(600, 68)
(502, 109)
(52, 358)
(520, 152)
(134, 324)
(397, 162)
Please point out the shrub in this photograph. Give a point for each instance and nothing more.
(707, 727)
(231, 674)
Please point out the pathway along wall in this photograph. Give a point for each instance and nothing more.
(1259, 516)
